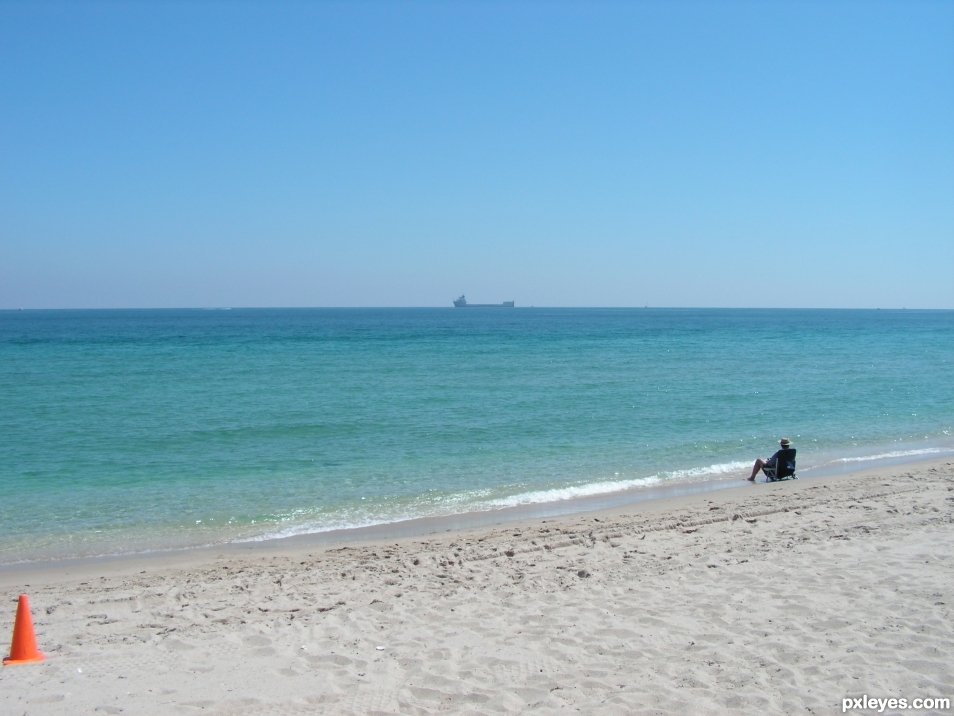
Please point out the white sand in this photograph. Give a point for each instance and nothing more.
(778, 598)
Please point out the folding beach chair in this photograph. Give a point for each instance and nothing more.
(784, 467)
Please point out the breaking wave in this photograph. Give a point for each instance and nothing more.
(896, 453)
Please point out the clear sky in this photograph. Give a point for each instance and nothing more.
(401, 153)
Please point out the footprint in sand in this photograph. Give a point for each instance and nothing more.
(176, 645)
(257, 640)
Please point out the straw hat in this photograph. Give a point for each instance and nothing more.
(784, 442)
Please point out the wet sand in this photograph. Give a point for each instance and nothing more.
(778, 598)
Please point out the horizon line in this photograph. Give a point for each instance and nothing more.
(433, 307)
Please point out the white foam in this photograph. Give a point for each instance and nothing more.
(889, 455)
(311, 528)
(725, 468)
(472, 502)
(569, 493)
(602, 488)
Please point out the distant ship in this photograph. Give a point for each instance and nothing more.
(462, 303)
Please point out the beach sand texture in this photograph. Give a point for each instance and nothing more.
(779, 598)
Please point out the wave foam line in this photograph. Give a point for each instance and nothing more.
(725, 468)
(534, 497)
(312, 528)
(569, 493)
(602, 488)
(896, 453)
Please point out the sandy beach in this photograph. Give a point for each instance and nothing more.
(770, 598)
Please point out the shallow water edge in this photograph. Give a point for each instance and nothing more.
(650, 497)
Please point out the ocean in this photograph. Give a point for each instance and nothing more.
(127, 431)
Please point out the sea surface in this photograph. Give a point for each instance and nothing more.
(139, 430)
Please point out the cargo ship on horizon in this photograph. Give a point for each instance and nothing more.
(462, 303)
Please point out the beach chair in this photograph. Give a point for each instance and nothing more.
(784, 467)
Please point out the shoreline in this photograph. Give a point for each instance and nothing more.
(656, 499)
(770, 598)
(478, 519)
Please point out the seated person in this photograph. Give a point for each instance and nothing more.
(772, 462)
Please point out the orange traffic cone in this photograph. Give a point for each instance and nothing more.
(23, 649)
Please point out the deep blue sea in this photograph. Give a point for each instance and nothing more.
(123, 431)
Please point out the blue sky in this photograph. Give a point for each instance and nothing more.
(401, 153)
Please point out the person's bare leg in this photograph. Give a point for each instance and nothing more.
(755, 469)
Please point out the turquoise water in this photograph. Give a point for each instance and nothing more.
(132, 430)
